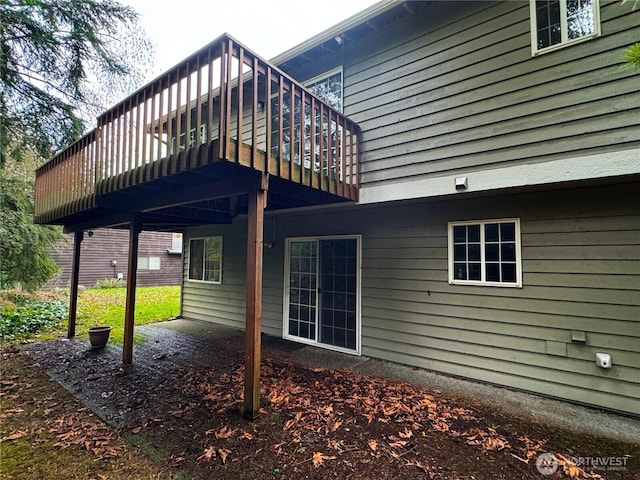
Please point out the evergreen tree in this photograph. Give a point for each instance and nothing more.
(51, 51)
(60, 61)
(24, 260)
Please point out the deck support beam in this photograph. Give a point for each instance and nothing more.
(255, 232)
(135, 228)
(75, 279)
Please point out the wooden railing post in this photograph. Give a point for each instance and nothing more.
(75, 279)
(257, 201)
(130, 305)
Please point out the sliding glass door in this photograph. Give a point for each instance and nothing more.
(321, 292)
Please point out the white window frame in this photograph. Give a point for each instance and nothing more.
(565, 41)
(149, 263)
(483, 281)
(188, 276)
(285, 312)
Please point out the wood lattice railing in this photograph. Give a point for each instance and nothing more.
(222, 103)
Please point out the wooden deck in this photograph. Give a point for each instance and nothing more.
(193, 118)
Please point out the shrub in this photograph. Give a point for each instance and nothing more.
(22, 316)
(109, 283)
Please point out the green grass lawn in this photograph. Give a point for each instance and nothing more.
(100, 306)
(105, 306)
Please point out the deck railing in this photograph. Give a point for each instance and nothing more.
(66, 184)
(223, 102)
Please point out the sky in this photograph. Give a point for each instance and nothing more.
(178, 28)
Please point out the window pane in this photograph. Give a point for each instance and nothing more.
(493, 272)
(491, 232)
(460, 271)
(459, 234)
(508, 232)
(213, 259)
(508, 252)
(459, 253)
(304, 329)
(473, 232)
(580, 21)
(474, 271)
(548, 22)
(143, 263)
(509, 272)
(491, 252)
(474, 251)
(293, 328)
(196, 255)
(154, 263)
(329, 89)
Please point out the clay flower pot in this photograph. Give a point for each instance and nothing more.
(99, 336)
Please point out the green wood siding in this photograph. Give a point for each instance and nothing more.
(581, 271)
(456, 89)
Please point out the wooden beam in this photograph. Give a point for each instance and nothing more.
(109, 221)
(255, 230)
(130, 305)
(75, 275)
(221, 188)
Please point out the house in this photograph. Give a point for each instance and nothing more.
(449, 185)
(104, 255)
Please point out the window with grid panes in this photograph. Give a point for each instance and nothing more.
(556, 23)
(485, 253)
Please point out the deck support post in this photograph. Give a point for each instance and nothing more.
(75, 279)
(255, 231)
(135, 228)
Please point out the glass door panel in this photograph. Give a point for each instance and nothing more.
(303, 261)
(339, 260)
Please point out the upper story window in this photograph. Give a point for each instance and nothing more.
(556, 23)
(328, 87)
(205, 259)
(485, 252)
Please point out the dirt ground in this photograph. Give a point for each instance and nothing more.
(175, 414)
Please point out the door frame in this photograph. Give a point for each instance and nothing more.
(285, 303)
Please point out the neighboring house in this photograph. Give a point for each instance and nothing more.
(466, 199)
(104, 255)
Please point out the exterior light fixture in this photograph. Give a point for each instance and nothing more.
(461, 183)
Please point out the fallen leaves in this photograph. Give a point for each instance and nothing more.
(208, 454)
(486, 440)
(14, 436)
(320, 407)
(531, 449)
(319, 458)
(84, 431)
(211, 453)
(223, 452)
(225, 432)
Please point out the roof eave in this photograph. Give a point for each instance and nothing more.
(338, 29)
